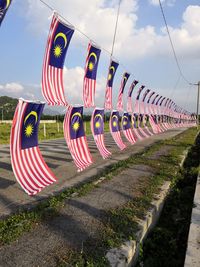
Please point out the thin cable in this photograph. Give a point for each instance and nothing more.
(175, 86)
(77, 29)
(85, 35)
(116, 25)
(172, 45)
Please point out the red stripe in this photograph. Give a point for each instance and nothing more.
(25, 169)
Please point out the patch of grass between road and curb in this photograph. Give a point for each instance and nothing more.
(119, 224)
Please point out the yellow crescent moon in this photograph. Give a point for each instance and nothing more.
(124, 117)
(125, 78)
(62, 35)
(76, 114)
(99, 115)
(32, 113)
(113, 69)
(7, 4)
(93, 55)
(115, 116)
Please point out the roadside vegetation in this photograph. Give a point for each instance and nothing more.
(119, 224)
(166, 245)
(53, 131)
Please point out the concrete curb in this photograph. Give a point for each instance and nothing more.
(127, 254)
(192, 255)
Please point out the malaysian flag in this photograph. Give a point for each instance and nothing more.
(52, 74)
(137, 101)
(135, 126)
(121, 91)
(97, 127)
(127, 129)
(75, 137)
(114, 126)
(129, 100)
(150, 112)
(28, 165)
(4, 5)
(142, 107)
(111, 74)
(148, 101)
(89, 83)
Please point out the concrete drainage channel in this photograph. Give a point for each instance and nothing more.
(127, 254)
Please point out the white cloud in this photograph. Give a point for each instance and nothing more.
(13, 87)
(73, 82)
(97, 20)
(167, 2)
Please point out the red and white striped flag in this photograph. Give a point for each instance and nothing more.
(89, 83)
(75, 137)
(114, 125)
(129, 100)
(29, 167)
(52, 75)
(127, 129)
(121, 91)
(137, 101)
(111, 74)
(97, 128)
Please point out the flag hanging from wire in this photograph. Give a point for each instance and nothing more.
(75, 137)
(29, 167)
(129, 100)
(121, 91)
(4, 6)
(137, 101)
(58, 42)
(97, 128)
(114, 125)
(142, 104)
(89, 83)
(126, 127)
(111, 74)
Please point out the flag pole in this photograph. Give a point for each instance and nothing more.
(198, 93)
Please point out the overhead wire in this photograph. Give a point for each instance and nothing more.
(110, 53)
(115, 33)
(77, 29)
(172, 46)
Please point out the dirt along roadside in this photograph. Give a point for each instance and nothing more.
(78, 227)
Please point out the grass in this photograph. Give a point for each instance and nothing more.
(168, 241)
(119, 224)
(52, 131)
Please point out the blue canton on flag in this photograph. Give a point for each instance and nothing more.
(112, 70)
(61, 40)
(4, 5)
(98, 122)
(76, 123)
(115, 121)
(31, 120)
(126, 121)
(93, 60)
(125, 79)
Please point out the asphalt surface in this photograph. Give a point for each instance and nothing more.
(58, 158)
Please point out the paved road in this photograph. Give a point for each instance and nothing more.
(58, 158)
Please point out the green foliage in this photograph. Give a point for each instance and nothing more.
(166, 246)
(120, 223)
(51, 131)
(8, 104)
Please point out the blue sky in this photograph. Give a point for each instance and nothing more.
(141, 45)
